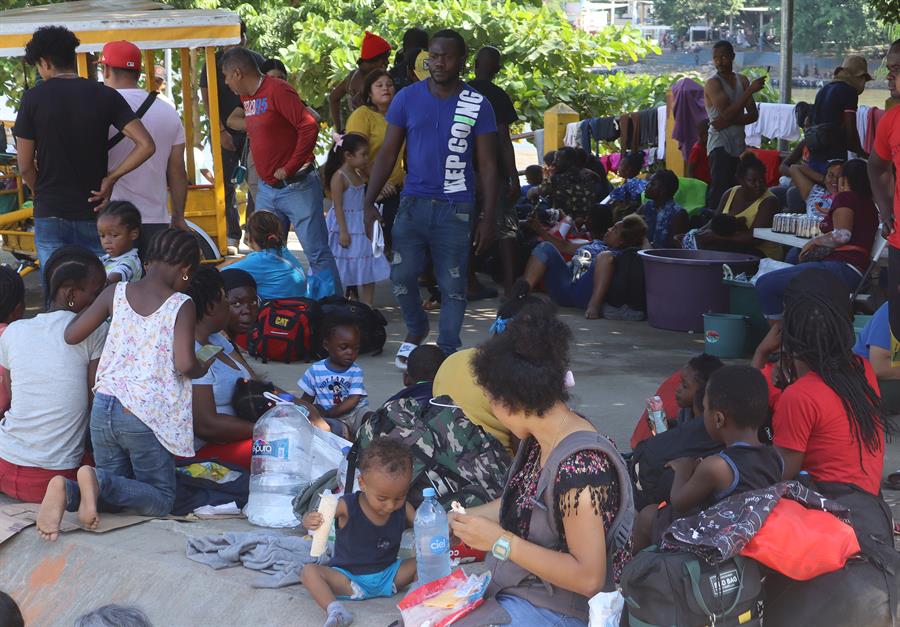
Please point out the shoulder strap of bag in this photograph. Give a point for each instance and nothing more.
(145, 106)
(620, 530)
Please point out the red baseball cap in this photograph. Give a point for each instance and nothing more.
(373, 46)
(121, 54)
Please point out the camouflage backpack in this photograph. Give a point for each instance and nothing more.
(451, 454)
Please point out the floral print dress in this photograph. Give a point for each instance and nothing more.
(588, 470)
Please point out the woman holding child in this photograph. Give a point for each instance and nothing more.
(747, 206)
(848, 232)
(564, 509)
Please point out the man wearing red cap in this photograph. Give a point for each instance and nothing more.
(63, 124)
(374, 54)
(146, 186)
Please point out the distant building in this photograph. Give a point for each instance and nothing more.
(592, 16)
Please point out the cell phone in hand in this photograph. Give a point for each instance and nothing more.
(207, 352)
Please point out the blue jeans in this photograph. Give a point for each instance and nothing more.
(770, 287)
(558, 278)
(524, 613)
(301, 204)
(441, 229)
(53, 233)
(134, 471)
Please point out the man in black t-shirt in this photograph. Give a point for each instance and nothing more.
(232, 140)
(836, 104)
(62, 133)
(487, 66)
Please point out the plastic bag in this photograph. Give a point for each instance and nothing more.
(606, 609)
(444, 600)
(766, 266)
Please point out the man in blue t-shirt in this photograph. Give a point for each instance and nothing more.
(446, 124)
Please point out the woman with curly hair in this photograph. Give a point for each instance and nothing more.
(558, 534)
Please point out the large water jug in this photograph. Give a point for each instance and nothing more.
(432, 540)
(277, 472)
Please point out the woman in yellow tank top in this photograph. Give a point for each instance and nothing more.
(754, 203)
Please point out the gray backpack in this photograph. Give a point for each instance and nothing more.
(668, 589)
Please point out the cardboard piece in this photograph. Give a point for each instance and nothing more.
(17, 516)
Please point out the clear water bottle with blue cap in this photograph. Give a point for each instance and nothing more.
(432, 532)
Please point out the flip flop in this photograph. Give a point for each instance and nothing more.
(403, 353)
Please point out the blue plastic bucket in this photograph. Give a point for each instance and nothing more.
(725, 335)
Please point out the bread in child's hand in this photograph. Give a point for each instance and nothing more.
(457, 508)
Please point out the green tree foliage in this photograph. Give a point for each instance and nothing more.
(836, 25)
(546, 60)
(887, 10)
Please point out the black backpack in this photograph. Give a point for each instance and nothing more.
(677, 588)
(372, 325)
(647, 466)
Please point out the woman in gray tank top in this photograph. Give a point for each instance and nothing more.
(562, 529)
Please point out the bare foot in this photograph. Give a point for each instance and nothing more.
(52, 509)
(90, 492)
(592, 313)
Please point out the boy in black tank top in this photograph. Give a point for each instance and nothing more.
(369, 524)
(735, 406)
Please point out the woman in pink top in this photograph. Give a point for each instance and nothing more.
(141, 418)
(12, 304)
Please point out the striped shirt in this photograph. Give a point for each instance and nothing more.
(330, 387)
(127, 265)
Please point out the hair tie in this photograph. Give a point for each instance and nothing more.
(499, 326)
(338, 140)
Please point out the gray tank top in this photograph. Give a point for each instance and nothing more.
(731, 138)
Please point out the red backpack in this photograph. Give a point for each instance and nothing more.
(287, 330)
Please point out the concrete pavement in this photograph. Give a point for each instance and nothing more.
(616, 366)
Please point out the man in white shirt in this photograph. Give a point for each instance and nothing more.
(145, 186)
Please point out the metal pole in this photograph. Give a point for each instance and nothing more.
(787, 54)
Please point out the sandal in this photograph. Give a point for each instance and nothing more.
(403, 354)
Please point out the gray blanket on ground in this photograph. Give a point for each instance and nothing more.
(280, 557)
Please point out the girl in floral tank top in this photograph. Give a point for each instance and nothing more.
(141, 416)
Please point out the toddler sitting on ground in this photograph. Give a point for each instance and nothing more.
(368, 528)
(335, 384)
(735, 406)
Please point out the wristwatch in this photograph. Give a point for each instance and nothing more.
(502, 547)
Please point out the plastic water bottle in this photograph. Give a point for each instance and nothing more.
(276, 469)
(432, 540)
(342, 474)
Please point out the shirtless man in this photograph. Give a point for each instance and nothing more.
(730, 106)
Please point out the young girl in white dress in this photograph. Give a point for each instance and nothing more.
(350, 244)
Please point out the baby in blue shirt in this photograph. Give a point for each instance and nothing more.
(335, 384)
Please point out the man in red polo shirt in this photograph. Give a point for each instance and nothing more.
(886, 190)
(282, 135)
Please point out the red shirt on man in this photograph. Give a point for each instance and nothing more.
(281, 129)
(887, 146)
(810, 418)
